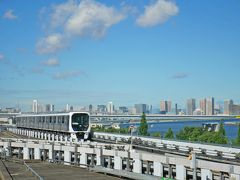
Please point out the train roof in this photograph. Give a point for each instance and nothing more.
(50, 114)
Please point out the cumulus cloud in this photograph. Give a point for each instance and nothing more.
(92, 19)
(51, 62)
(62, 12)
(51, 44)
(9, 15)
(65, 75)
(180, 76)
(157, 13)
(86, 18)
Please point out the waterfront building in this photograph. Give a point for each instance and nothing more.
(140, 108)
(210, 106)
(197, 112)
(217, 109)
(35, 106)
(49, 108)
(203, 106)
(165, 106)
(123, 109)
(231, 108)
(101, 108)
(234, 109)
(110, 108)
(227, 104)
(90, 108)
(67, 108)
(176, 109)
(191, 106)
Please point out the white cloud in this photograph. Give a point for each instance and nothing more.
(86, 18)
(61, 13)
(67, 74)
(51, 43)
(51, 62)
(1, 57)
(157, 13)
(9, 15)
(92, 19)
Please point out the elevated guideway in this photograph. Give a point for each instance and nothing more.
(224, 152)
(122, 160)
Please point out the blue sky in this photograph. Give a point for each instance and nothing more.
(125, 51)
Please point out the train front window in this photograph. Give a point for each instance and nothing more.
(80, 122)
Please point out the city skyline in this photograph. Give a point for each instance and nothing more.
(48, 53)
(206, 106)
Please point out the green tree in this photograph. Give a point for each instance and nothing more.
(143, 129)
(238, 136)
(156, 134)
(221, 129)
(169, 134)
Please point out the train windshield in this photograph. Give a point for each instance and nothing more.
(80, 122)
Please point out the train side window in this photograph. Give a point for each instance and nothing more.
(62, 119)
(50, 119)
(43, 119)
(66, 119)
(54, 119)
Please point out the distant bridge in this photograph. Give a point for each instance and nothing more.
(158, 117)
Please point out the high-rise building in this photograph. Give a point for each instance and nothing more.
(203, 105)
(234, 109)
(165, 106)
(110, 108)
(123, 109)
(169, 106)
(227, 104)
(191, 106)
(35, 106)
(176, 109)
(101, 108)
(217, 109)
(140, 108)
(210, 106)
(90, 108)
(49, 108)
(67, 108)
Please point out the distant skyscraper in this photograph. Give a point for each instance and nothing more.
(67, 108)
(227, 104)
(101, 108)
(49, 108)
(210, 106)
(35, 106)
(203, 105)
(165, 106)
(191, 106)
(123, 109)
(176, 109)
(110, 108)
(140, 108)
(169, 106)
(90, 108)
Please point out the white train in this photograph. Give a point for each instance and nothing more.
(73, 124)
